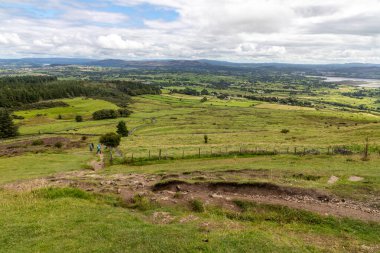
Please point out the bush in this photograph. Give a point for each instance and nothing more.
(111, 114)
(17, 117)
(141, 203)
(105, 114)
(110, 140)
(205, 138)
(204, 99)
(197, 206)
(285, 131)
(37, 142)
(124, 112)
(83, 138)
(58, 144)
(56, 193)
(78, 118)
(122, 129)
(342, 151)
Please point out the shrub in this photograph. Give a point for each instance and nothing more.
(105, 114)
(83, 138)
(37, 142)
(197, 206)
(56, 193)
(204, 99)
(141, 203)
(59, 116)
(17, 117)
(285, 131)
(122, 129)
(124, 112)
(111, 114)
(205, 138)
(58, 144)
(342, 151)
(111, 140)
(78, 118)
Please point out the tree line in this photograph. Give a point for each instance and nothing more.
(20, 90)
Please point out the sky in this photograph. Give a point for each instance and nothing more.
(291, 31)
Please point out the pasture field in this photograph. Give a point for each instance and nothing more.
(229, 202)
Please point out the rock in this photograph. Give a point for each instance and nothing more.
(355, 179)
(333, 180)
(216, 196)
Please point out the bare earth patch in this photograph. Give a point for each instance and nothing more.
(175, 191)
(333, 180)
(355, 179)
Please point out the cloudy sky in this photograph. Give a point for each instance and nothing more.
(293, 31)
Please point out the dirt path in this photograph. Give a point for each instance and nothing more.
(211, 193)
(152, 122)
(98, 164)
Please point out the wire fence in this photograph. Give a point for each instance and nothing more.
(155, 154)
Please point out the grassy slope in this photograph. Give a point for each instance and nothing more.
(38, 165)
(74, 222)
(280, 169)
(31, 223)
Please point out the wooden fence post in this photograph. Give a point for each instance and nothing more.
(199, 152)
(183, 153)
(159, 155)
(295, 150)
(149, 155)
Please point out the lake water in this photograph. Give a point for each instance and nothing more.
(360, 82)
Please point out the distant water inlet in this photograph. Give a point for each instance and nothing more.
(360, 82)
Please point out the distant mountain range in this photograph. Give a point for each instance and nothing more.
(165, 63)
(360, 70)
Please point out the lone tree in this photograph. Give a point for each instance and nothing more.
(110, 140)
(122, 129)
(205, 138)
(7, 128)
(78, 118)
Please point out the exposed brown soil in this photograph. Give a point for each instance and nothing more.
(20, 147)
(174, 190)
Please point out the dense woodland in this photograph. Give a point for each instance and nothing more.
(21, 90)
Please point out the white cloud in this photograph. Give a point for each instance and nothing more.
(247, 30)
(10, 38)
(114, 41)
(95, 16)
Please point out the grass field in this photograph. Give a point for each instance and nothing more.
(29, 166)
(72, 220)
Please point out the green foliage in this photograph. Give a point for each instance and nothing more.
(110, 140)
(122, 129)
(110, 114)
(196, 205)
(205, 137)
(141, 203)
(205, 92)
(78, 118)
(43, 105)
(204, 99)
(285, 131)
(58, 144)
(7, 127)
(56, 193)
(37, 142)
